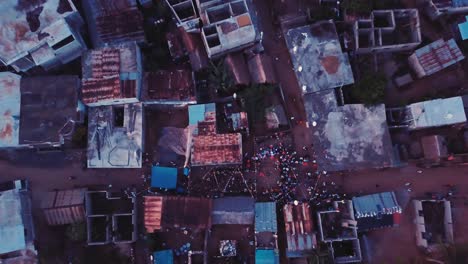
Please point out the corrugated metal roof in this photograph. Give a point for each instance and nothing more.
(188, 212)
(113, 22)
(176, 85)
(10, 105)
(438, 55)
(11, 223)
(64, 207)
(152, 213)
(435, 113)
(266, 256)
(163, 177)
(233, 210)
(265, 217)
(163, 257)
(463, 27)
(301, 239)
(376, 204)
(24, 24)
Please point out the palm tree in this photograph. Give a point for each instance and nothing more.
(219, 78)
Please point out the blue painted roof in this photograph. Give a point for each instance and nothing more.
(163, 257)
(459, 3)
(197, 112)
(373, 204)
(265, 217)
(266, 256)
(463, 27)
(11, 222)
(163, 177)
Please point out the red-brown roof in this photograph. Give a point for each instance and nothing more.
(215, 149)
(153, 213)
(299, 229)
(166, 85)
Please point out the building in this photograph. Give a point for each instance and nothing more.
(350, 136)
(38, 112)
(435, 57)
(169, 87)
(434, 223)
(427, 114)
(64, 207)
(318, 60)
(44, 33)
(112, 75)
(338, 228)
(16, 224)
(110, 218)
(261, 68)
(163, 257)
(434, 147)
(236, 67)
(166, 213)
(437, 8)
(164, 177)
(266, 229)
(388, 31)
(375, 211)
(207, 146)
(185, 14)
(231, 236)
(463, 29)
(233, 211)
(115, 136)
(300, 234)
(227, 25)
(113, 22)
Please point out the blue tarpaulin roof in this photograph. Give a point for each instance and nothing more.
(197, 112)
(463, 27)
(163, 257)
(266, 256)
(265, 217)
(164, 177)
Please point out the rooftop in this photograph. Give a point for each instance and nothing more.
(265, 217)
(317, 57)
(435, 57)
(29, 24)
(463, 28)
(376, 210)
(167, 212)
(115, 136)
(175, 86)
(163, 177)
(110, 73)
(233, 210)
(10, 108)
(301, 239)
(208, 147)
(11, 223)
(450, 3)
(266, 256)
(112, 22)
(438, 112)
(64, 206)
(35, 110)
(48, 103)
(338, 224)
(433, 222)
(351, 136)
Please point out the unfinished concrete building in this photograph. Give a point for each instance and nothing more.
(39, 33)
(227, 25)
(437, 8)
(185, 14)
(110, 219)
(388, 31)
(434, 224)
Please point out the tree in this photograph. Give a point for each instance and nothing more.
(219, 77)
(253, 101)
(357, 6)
(370, 89)
(76, 232)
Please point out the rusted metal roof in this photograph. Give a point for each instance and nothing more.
(10, 105)
(193, 212)
(237, 68)
(64, 207)
(301, 239)
(177, 85)
(101, 74)
(210, 148)
(261, 69)
(24, 24)
(115, 21)
(152, 213)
